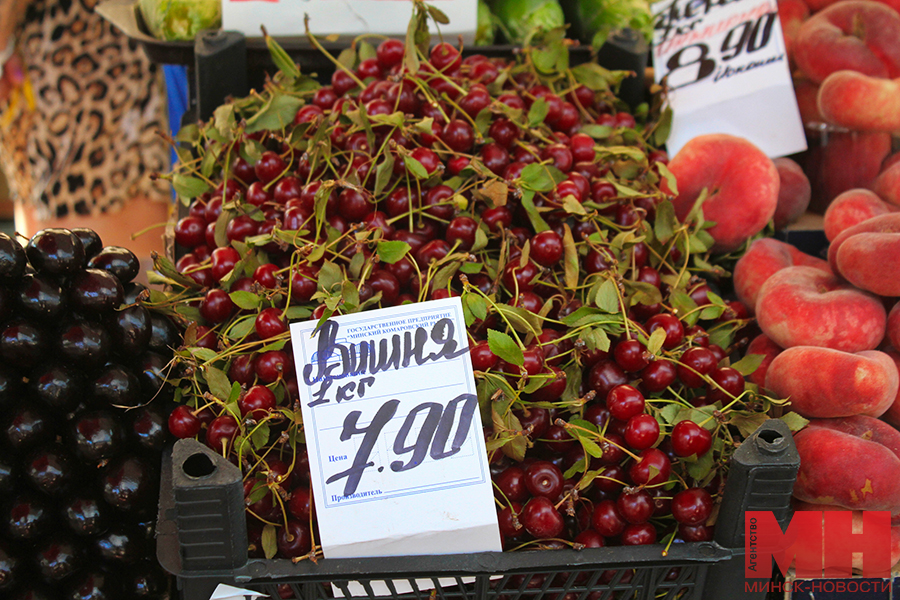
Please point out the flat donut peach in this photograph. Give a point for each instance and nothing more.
(741, 181)
(804, 306)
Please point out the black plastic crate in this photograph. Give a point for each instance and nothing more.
(226, 63)
(201, 537)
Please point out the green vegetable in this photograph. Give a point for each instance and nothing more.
(484, 34)
(594, 20)
(180, 19)
(519, 17)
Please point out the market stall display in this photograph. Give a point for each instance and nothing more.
(649, 364)
(602, 358)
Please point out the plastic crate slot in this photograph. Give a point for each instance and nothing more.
(212, 503)
(204, 558)
(199, 543)
(198, 466)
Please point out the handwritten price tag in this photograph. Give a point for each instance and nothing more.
(727, 67)
(393, 431)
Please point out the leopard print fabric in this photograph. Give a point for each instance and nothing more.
(91, 143)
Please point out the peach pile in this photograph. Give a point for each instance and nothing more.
(847, 59)
(830, 343)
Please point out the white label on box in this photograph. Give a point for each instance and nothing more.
(726, 66)
(227, 592)
(393, 431)
(348, 18)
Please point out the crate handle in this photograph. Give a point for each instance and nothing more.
(771, 440)
(198, 466)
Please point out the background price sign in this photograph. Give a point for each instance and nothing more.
(727, 67)
(393, 431)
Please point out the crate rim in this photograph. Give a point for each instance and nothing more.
(425, 566)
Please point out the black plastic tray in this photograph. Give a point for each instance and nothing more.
(625, 50)
(201, 533)
(126, 15)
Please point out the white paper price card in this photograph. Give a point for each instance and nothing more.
(347, 18)
(727, 69)
(393, 431)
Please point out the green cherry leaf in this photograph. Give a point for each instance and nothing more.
(505, 347)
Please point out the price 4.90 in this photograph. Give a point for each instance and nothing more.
(431, 439)
(694, 63)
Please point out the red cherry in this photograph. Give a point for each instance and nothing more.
(536, 418)
(641, 432)
(624, 402)
(495, 157)
(671, 325)
(482, 357)
(653, 467)
(604, 376)
(461, 229)
(606, 520)
(294, 540)
(543, 478)
(657, 376)
(216, 306)
(432, 251)
(497, 217)
(546, 248)
(696, 362)
(476, 100)
(636, 507)
(221, 432)
(689, 439)
(458, 135)
(223, 261)
(692, 506)
(560, 155)
(190, 232)
(582, 147)
(503, 132)
(631, 355)
(509, 518)
(269, 323)
(269, 167)
(258, 402)
(439, 202)
(382, 280)
(266, 275)
(273, 365)
(729, 385)
(511, 483)
(445, 57)
(695, 533)
(240, 228)
(183, 423)
(596, 262)
(623, 119)
(368, 68)
(427, 158)
(300, 504)
(541, 519)
(389, 53)
(243, 369)
(589, 539)
(641, 534)
(520, 279)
